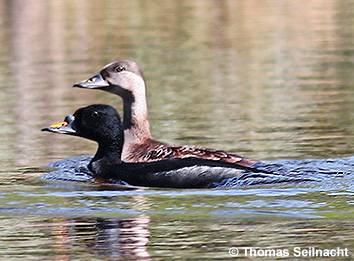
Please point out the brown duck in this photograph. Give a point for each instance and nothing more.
(125, 78)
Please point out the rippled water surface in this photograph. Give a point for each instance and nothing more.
(268, 80)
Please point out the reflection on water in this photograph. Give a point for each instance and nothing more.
(139, 238)
(68, 238)
(267, 80)
(68, 220)
(108, 236)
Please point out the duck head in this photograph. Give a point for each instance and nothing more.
(98, 122)
(119, 77)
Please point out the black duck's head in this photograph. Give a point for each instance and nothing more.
(100, 123)
(119, 77)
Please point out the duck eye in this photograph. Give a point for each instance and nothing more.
(95, 114)
(119, 69)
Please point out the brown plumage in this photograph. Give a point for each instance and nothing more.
(124, 78)
(152, 150)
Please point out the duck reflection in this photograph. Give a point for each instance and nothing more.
(109, 237)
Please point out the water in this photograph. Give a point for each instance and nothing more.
(270, 81)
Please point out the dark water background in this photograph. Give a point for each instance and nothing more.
(268, 80)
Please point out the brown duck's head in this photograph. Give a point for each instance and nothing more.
(119, 77)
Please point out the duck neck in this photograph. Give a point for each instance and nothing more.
(136, 123)
(107, 155)
(111, 152)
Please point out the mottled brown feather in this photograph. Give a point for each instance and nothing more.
(152, 150)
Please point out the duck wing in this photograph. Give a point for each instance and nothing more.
(152, 150)
(210, 154)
